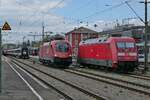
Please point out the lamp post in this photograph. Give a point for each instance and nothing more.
(43, 27)
(145, 37)
(23, 38)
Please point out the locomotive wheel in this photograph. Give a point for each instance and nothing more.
(43, 62)
(120, 69)
(83, 65)
(110, 69)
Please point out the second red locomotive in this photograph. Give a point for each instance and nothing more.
(57, 52)
(115, 52)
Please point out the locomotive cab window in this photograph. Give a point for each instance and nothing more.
(62, 47)
(129, 45)
(121, 45)
(125, 45)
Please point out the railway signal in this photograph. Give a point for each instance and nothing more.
(5, 27)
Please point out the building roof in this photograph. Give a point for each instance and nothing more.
(82, 30)
(121, 29)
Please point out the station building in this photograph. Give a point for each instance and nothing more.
(79, 34)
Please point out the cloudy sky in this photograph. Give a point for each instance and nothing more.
(26, 16)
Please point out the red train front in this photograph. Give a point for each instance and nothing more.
(56, 52)
(116, 53)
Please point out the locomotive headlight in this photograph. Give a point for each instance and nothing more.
(70, 55)
(24, 52)
(55, 55)
(132, 54)
(121, 54)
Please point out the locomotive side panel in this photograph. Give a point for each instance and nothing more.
(97, 54)
(45, 53)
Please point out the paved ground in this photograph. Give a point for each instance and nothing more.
(15, 88)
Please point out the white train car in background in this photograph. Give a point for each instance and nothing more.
(19, 52)
(141, 50)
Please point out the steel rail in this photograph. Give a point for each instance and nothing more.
(88, 75)
(114, 79)
(49, 85)
(96, 96)
(111, 78)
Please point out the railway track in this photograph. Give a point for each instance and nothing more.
(86, 92)
(49, 85)
(86, 74)
(145, 77)
(114, 81)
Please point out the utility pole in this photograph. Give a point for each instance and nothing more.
(146, 32)
(35, 35)
(146, 49)
(43, 32)
(43, 27)
(23, 43)
(23, 38)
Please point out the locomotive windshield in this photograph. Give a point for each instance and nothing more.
(62, 47)
(24, 51)
(125, 45)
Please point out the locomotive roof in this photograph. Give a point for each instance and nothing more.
(56, 37)
(102, 40)
(47, 43)
(121, 38)
(96, 40)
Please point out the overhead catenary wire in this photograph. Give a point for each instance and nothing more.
(60, 2)
(38, 10)
(98, 12)
(118, 5)
(34, 13)
(82, 6)
(72, 19)
(107, 9)
(103, 11)
(134, 12)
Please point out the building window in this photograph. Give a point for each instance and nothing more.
(76, 40)
(70, 39)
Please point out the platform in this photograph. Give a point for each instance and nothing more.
(13, 87)
(26, 88)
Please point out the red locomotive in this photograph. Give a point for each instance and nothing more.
(119, 53)
(57, 52)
